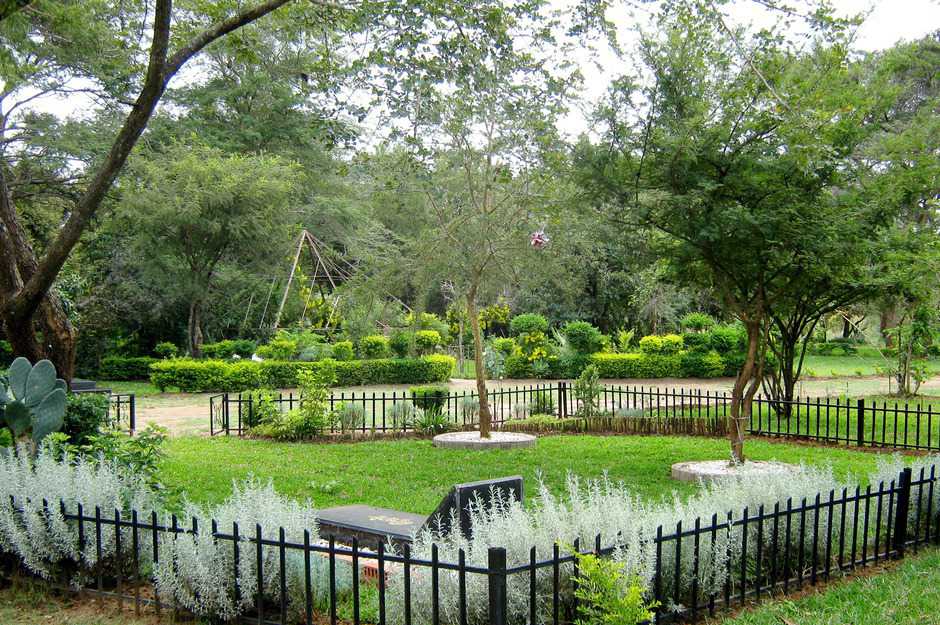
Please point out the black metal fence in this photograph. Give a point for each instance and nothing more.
(122, 408)
(857, 422)
(232, 413)
(698, 568)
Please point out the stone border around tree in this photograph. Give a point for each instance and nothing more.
(472, 440)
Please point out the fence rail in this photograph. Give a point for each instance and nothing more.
(856, 422)
(699, 567)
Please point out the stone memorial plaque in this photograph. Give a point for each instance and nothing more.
(369, 524)
(461, 495)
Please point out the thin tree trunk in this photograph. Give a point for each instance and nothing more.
(195, 329)
(486, 418)
(743, 392)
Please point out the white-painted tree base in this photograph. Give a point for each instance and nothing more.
(472, 440)
(712, 470)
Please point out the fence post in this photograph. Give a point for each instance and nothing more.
(562, 399)
(225, 414)
(901, 511)
(860, 426)
(133, 414)
(496, 563)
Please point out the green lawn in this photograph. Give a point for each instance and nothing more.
(141, 388)
(906, 595)
(837, 366)
(412, 475)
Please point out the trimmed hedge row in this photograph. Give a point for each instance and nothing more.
(197, 376)
(682, 365)
(123, 369)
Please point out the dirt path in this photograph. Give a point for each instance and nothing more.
(188, 413)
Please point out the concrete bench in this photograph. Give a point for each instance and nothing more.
(372, 526)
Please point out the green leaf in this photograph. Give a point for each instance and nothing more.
(17, 417)
(60, 383)
(41, 382)
(49, 415)
(18, 374)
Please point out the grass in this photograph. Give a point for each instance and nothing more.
(413, 476)
(29, 602)
(816, 365)
(140, 388)
(908, 594)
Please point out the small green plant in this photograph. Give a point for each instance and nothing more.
(343, 350)
(625, 340)
(165, 349)
(401, 416)
(400, 343)
(33, 399)
(469, 410)
(349, 416)
(528, 323)
(431, 422)
(262, 408)
(430, 398)
(278, 349)
(697, 322)
(583, 337)
(542, 402)
(607, 595)
(587, 390)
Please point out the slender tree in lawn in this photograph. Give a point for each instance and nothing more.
(733, 155)
(481, 133)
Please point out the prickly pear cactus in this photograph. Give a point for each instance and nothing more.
(33, 400)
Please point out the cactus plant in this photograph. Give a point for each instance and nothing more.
(32, 399)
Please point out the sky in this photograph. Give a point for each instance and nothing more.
(888, 22)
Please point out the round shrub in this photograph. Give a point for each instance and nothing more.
(426, 341)
(85, 416)
(278, 349)
(661, 344)
(430, 398)
(315, 352)
(528, 323)
(728, 338)
(165, 349)
(343, 350)
(697, 322)
(400, 344)
(697, 341)
(373, 346)
(583, 337)
(505, 346)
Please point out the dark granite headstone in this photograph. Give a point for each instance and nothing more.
(368, 524)
(457, 502)
(372, 526)
(78, 385)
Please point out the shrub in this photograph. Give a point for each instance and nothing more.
(222, 349)
(373, 346)
(426, 341)
(625, 339)
(199, 376)
(637, 365)
(165, 349)
(697, 322)
(121, 368)
(431, 422)
(734, 361)
(583, 337)
(317, 351)
(661, 344)
(505, 346)
(6, 353)
(401, 416)
(278, 349)
(469, 408)
(697, 341)
(544, 423)
(607, 595)
(697, 364)
(313, 418)
(343, 350)
(528, 323)
(86, 414)
(400, 343)
(429, 398)
(587, 389)
(262, 408)
(728, 338)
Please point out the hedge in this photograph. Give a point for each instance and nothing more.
(120, 368)
(217, 375)
(638, 365)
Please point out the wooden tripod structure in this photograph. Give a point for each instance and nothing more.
(321, 262)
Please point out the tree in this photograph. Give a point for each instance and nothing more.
(48, 48)
(735, 149)
(482, 130)
(196, 209)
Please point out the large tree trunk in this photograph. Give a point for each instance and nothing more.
(485, 416)
(745, 386)
(888, 319)
(194, 329)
